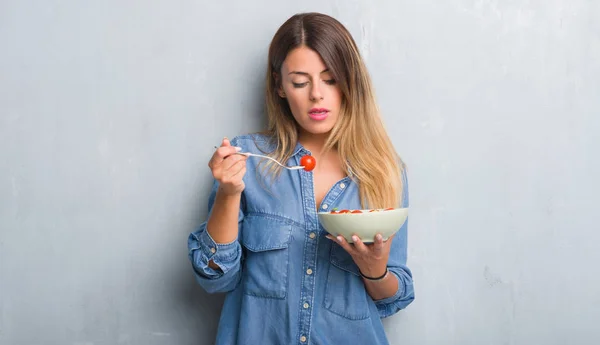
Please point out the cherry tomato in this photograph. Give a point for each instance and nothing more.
(308, 162)
(389, 209)
(344, 211)
(356, 211)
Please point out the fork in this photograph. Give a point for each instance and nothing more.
(295, 167)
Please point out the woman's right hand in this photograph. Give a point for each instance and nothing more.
(228, 168)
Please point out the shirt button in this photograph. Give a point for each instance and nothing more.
(305, 305)
(213, 250)
(325, 206)
(309, 271)
(312, 235)
(303, 339)
(342, 186)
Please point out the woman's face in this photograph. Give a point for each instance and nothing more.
(312, 93)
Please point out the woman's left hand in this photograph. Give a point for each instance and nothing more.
(371, 258)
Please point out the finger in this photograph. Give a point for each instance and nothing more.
(227, 168)
(344, 244)
(230, 161)
(389, 240)
(236, 178)
(221, 154)
(378, 245)
(227, 175)
(224, 143)
(235, 169)
(359, 245)
(240, 174)
(226, 151)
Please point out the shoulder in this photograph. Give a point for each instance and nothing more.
(254, 143)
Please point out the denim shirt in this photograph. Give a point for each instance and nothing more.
(286, 283)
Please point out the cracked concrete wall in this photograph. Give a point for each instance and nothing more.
(109, 111)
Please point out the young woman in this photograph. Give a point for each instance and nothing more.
(288, 281)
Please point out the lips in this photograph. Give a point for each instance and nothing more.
(318, 113)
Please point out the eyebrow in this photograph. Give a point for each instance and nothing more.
(304, 73)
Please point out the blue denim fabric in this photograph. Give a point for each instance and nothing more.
(286, 283)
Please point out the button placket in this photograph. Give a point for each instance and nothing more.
(332, 195)
(309, 261)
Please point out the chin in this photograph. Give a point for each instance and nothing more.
(318, 129)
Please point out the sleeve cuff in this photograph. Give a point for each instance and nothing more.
(397, 295)
(203, 248)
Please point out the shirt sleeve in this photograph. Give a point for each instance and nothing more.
(397, 266)
(202, 248)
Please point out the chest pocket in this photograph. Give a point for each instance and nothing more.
(345, 292)
(266, 261)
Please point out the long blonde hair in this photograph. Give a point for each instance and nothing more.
(362, 142)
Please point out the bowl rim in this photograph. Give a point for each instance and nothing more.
(382, 210)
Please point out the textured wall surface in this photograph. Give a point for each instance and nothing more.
(109, 111)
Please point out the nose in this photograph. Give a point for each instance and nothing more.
(315, 93)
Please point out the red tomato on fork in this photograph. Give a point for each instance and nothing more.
(308, 162)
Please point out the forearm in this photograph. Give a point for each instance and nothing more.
(222, 224)
(383, 288)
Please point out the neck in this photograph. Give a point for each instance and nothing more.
(312, 142)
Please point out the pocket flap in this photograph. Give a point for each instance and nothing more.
(342, 260)
(261, 233)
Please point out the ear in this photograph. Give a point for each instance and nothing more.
(279, 87)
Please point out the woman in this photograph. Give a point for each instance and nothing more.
(288, 281)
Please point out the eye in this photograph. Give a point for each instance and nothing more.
(299, 85)
(330, 82)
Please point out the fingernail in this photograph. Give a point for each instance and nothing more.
(379, 237)
(354, 238)
(238, 149)
(339, 238)
(225, 138)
